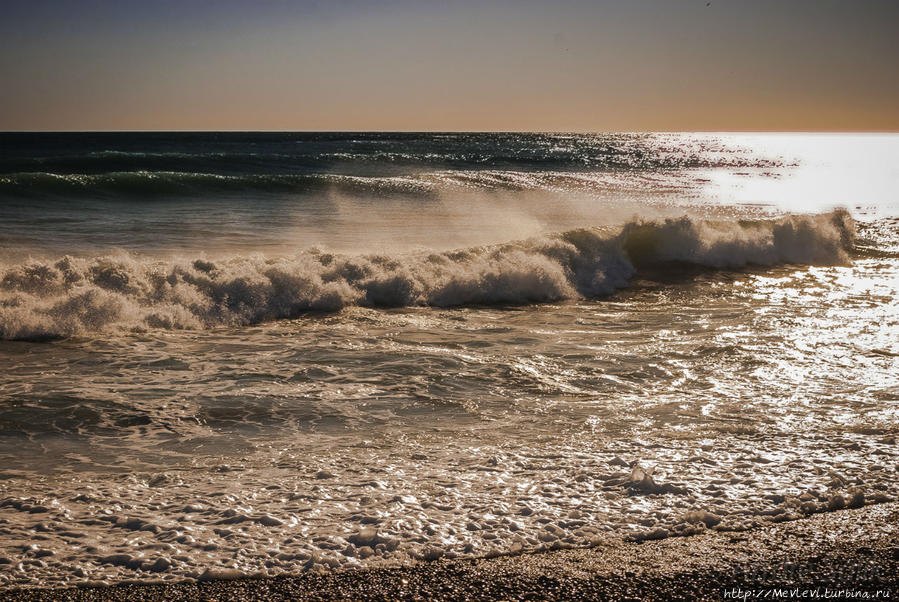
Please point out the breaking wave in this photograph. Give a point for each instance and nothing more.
(72, 296)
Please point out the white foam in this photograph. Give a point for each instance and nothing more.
(74, 296)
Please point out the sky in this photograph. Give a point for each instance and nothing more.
(488, 65)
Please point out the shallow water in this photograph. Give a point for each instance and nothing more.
(499, 343)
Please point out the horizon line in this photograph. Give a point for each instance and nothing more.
(387, 131)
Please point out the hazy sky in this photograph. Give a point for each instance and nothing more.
(450, 65)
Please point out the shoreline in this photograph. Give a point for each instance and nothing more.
(855, 550)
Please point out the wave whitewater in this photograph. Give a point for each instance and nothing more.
(82, 296)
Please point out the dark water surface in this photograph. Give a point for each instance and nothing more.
(282, 352)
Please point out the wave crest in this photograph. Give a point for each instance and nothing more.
(44, 300)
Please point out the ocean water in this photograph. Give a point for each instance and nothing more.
(256, 353)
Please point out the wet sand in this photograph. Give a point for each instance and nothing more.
(856, 551)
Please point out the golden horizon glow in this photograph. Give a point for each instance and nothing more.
(646, 65)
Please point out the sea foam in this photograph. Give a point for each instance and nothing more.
(77, 296)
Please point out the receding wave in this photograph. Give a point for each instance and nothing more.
(71, 296)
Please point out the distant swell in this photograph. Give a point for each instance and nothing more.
(142, 184)
(72, 296)
(125, 186)
(197, 164)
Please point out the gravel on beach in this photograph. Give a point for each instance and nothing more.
(848, 554)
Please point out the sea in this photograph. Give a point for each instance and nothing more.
(254, 353)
